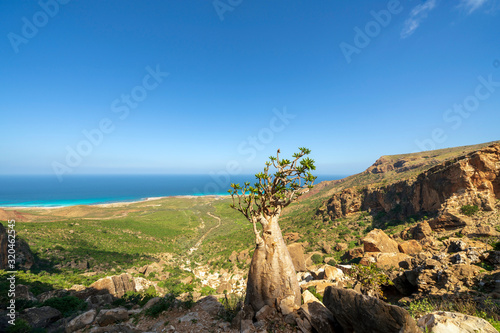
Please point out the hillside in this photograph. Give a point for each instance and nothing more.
(425, 226)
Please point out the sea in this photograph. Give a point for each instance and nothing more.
(48, 191)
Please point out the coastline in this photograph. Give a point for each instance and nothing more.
(116, 203)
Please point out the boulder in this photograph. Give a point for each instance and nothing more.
(296, 251)
(410, 247)
(264, 313)
(451, 322)
(151, 303)
(493, 257)
(41, 317)
(23, 292)
(341, 247)
(51, 294)
(108, 317)
(377, 241)
(81, 321)
(320, 285)
(357, 252)
(448, 221)
(211, 305)
(421, 230)
(141, 284)
(333, 273)
(116, 285)
(484, 231)
(96, 301)
(360, 313)
(387, 260)
(319, 317)
(148, 269)
(456, 244)
(307, 297)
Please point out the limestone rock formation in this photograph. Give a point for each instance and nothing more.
(472, 179)
(116, 285)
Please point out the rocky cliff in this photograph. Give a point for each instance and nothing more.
(470, 179)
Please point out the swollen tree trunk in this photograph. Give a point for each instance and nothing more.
(272, 279)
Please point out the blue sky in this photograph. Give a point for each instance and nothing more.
(217, 86)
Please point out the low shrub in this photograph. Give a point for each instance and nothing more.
(370, 277)
(469, 210)
(162, 305)
(67, 304)
(313, 291)
(317, 259)
(207, 290)
(232, 305)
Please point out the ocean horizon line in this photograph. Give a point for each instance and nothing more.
(45, 191)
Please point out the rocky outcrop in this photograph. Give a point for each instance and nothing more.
(377, 241)
(444, 322)
(359, 313)
(472, 179)
(116, 285)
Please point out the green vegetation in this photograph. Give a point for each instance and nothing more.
(131, 236)
(313, 291)
(232, 305)
(207, 290)
(370, 277)
(67, 304)
(20, 326)
(164, 304)
(469, 210)
(317, 259)
(135, 298)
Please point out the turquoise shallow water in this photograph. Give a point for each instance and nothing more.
(47, 191)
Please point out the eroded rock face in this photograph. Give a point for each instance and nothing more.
(359, 313)
(116, 285)
(472, 179)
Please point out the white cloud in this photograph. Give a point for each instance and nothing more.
(417, 14)
(471, 5)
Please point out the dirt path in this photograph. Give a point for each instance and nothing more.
(198, 243)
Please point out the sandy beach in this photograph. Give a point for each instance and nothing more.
(116, 204)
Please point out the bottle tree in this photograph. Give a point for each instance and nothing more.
(272, 279)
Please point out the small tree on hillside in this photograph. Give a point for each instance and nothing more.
(272, 278)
